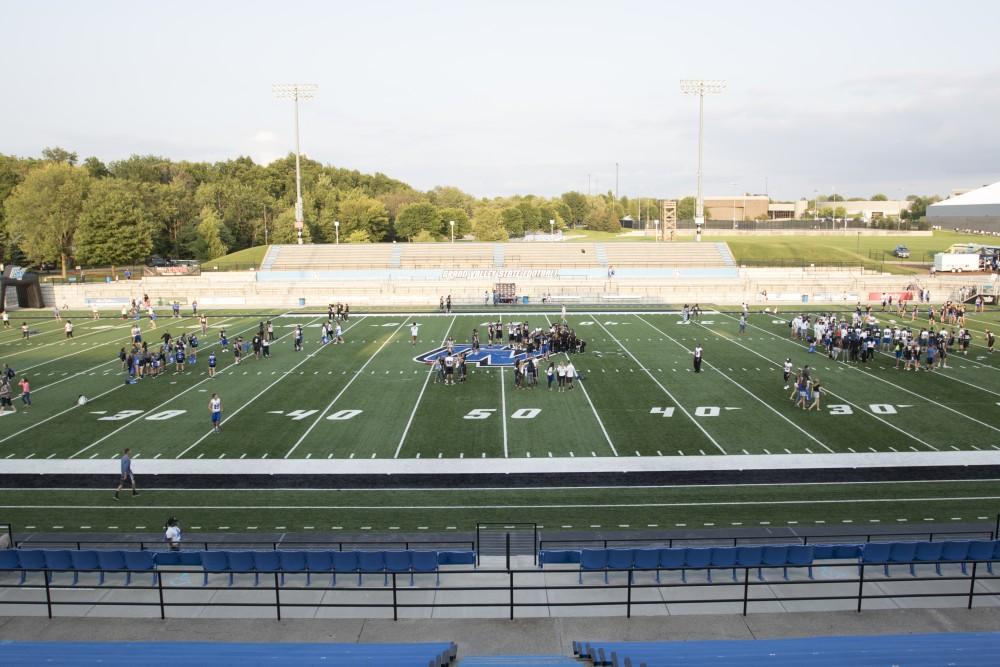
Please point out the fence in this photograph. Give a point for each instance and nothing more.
(505, 585)
(828, 538)
(207, 545)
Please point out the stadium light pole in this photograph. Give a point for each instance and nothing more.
(552, 229)
(452, 223)
(336, 227)
(701, 87)
(296, 91)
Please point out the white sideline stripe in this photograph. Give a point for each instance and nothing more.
(413, 413)
(744, 389)
(356, 375)
(503, 413)
(839, 397)
(519, 488)
(157, 407)
(892, 384)
(299, 466)
(263, 391)
(600, 422)
(507, 313)
(396, 508)
(665, 390)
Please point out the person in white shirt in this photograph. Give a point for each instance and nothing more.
(697, 358)
(172, 534)
(69, 329)
(570, 374)
(414, 332)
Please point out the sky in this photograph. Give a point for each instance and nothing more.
(516, 97)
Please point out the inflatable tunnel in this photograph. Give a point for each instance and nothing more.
(29, 291)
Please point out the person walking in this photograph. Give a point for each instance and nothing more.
(25, 392)
(172, 534)
(126, 473)
(698, 351)
(215, 410)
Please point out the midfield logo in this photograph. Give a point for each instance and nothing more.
(488, 355)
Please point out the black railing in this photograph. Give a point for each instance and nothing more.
(506, 593)
(207, 545)
(831, 538)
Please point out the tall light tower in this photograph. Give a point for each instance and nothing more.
(296, 91)
(701, 87)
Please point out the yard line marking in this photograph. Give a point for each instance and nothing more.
(593, 409)
(665, 390)
(416, 405)
(140, 417)
(893, 384)
(356, 375)
(744, 389)
(855, 405)
(264, 390)
(503, 412)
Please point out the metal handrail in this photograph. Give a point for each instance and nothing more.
(393, 602)
(275, 545)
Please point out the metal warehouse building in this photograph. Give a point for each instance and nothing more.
(977, 209)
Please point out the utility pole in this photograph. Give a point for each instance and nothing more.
(296, 91)
(701, 87)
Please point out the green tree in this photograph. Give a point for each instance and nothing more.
(59, 155)
(686, 208)
(211, 235)
(487, 225)
(449, 197)
(415, 218)
(95, 168)
(43, 212)
(361, 213)
(113, 226)
(879, 197)
(461, 218)
(284, 228)
(512, 220)
(578, 205)
(359, 236)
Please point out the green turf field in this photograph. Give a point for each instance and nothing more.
(370, 399)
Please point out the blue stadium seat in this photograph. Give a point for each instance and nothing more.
(558, 557)
(399, 562)
(876, 553)
(110, 561)
(139, 561)
(800, 555)
(456, 558)
(698, 559)
(58, 560)
(749, 556)
(927, 552)
(901, 552)
(724, 557)
(956, 550)
(240, 562)
(594, 559)
(673, 559)
(215, 561)
(647, 559)
(773, 556)
(372, 562)
(84, 560)
(620, 559)
(31, 559)
(982, 551)
(345, 561)
(319, 562)
(9, 561)
(425, 561)
(265, 562)
(292, 562)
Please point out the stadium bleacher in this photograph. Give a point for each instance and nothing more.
(436, 654)
(913, 650)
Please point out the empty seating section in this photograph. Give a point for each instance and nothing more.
(232, 563)
(446, 256)
(784, 557)
(651, 255)
(915, 650)
(333, 257)
(550, 256)
(114, 654)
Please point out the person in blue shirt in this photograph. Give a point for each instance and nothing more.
(211, 364)
(126, 473)
(193, 356)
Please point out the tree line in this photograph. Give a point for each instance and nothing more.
(56, 209)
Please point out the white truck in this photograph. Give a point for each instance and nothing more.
(956, 262)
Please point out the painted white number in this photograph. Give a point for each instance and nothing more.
(840, 409)
(124, 414)
(611, 323)
(300, 414)
(882, 408)
(666, 412)
(480, 413)
(344, 415)
(391, 324)
(525, 413)
(165, 415)
(706, 411)
(585, 323)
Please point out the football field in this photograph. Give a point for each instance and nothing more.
(373, 402)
